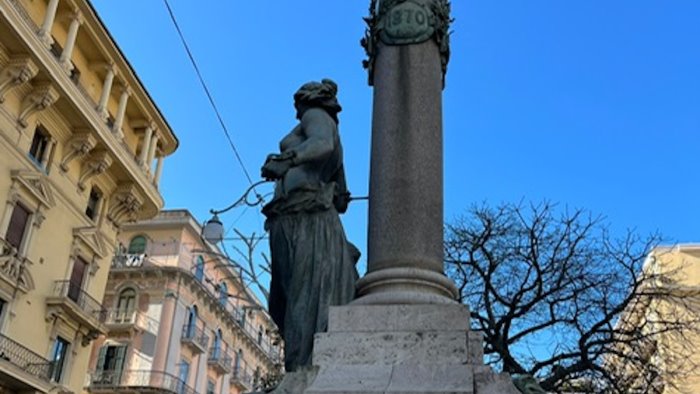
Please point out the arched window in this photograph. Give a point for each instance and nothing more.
(223, 293)
(237, 363)
(191, 321)
(125, 306)
(137, 245)
(216, 348)
(199, 268)
(260, 335)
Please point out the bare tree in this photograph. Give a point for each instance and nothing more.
(557, 297)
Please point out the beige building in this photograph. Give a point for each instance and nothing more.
(669, 358)
(179, 317)
(81, 152)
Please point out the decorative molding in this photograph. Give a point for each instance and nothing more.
(79, 145)
(407, 22)
(36, 184)
(40, 98)
(19, 70)
(91, 238)
(125, 204)
(14, 268)
(97, 164)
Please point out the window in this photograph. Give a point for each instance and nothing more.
(260, 335)
(56, 48)
(223, 293)
(93, 203)
(111, 358)
(75, 74)
(237, 362)
(18, 226)
(125, 306)
(216, 348)
(39, 148)
(58, 359)
(75, 286)
(191, 322)
(211, 387)
(137, 245)
(199, 268)
(183, 374)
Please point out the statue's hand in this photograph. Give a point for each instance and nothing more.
(275, 169)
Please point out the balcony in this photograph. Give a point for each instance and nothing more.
(128, 260)
(243, 378)
(22, 370)
(119, 320)
(195, 338)
(69, 298)
(220, 361)
(137, 381)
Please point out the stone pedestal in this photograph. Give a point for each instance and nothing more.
(402, 349)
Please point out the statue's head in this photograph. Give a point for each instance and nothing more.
(318, 95)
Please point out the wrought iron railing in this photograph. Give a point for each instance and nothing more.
(24, 358)
(84, 301)
(133, 379)
(219, 356)
(192, 333)
(242, 376)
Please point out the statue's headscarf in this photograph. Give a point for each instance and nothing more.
(320, 94)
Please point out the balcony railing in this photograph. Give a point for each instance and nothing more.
(65, 289)
(131, 318)
(242, 376)
(137, 379)
(24, 358)
(220, 360)
(191, 334)
(127, 260)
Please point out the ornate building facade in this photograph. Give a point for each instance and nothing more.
(81, 152)
(180, 318)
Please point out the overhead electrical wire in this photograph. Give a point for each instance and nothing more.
(208, 93)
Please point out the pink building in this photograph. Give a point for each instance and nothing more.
(179, 318)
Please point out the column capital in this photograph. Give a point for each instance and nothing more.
(401, 22)
(74, 16)
(124, 88)
(107, 66)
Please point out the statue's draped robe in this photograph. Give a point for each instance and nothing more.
(313, 265)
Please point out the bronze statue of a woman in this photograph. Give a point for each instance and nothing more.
(313, 264)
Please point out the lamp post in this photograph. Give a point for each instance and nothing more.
(213, 230)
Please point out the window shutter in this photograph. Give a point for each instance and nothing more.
(119, 358)
(101, 359)
(18, 223)
(119, 363)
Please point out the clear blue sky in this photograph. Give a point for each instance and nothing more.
(592, 104)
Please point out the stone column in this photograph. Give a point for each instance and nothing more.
(76, 21)
(45, 30)
(145, 145)
(405, 240)
(159, 171)
(121, 111)
(167, 328)
(151, 153)
(106, 91)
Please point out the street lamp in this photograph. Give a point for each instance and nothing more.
(213, 230)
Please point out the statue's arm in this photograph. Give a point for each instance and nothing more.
(319, 144)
